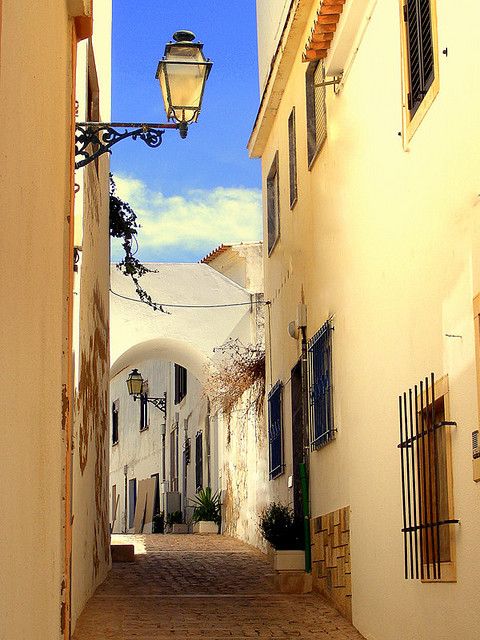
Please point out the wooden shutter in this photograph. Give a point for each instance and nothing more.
(421, 67)
(273, 199)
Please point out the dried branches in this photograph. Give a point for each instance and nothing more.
(239, 368)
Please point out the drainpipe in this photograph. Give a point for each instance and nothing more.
(305, 466)
(125, 501)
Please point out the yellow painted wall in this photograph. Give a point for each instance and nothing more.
(36, 100)
(386, 240)
(91, 535)
(35, 112)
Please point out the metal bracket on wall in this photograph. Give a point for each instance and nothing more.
(335, 82)
(103, 135)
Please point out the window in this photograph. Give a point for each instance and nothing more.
(320, 387)
(180, 383)
(115, 408)
(174, 459)
(425, 447)
(420, 59)
(199, 461)
(275, 431)
(316, 110)
(143, 411)
(156, 501)
(292, 157)
(132, 501)
(273, 205)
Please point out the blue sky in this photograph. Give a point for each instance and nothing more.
(208, 175)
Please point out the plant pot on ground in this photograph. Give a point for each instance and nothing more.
(175, 523)
(284, 532)
(207, 512)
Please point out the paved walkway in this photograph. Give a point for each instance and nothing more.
(203, 587)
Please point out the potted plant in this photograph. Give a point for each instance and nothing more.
(158, 525)
(175, 522)
(284, 532)
(206, 513)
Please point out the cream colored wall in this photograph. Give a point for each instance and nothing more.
(91, 536)
(242, 263)
(384, 239)
(34, 202)
(271, 16)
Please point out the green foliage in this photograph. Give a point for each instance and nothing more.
(158, 525)
(175, 518)
(124, 225)
(207, 506)
(280, 528)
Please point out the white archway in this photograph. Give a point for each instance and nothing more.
(169, 349)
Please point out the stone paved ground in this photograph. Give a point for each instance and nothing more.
(203, 587)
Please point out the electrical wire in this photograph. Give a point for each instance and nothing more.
(193, 306)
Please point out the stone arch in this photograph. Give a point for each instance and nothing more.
(170, 349)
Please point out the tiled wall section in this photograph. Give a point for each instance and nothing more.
(331, 559)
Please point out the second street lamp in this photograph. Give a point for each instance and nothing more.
(135, 389)
(182, 72)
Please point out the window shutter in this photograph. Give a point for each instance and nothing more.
(417, 14)
(275, 430)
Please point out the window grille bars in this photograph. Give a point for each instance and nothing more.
(275, 431)
(320, 387)
(421, 468)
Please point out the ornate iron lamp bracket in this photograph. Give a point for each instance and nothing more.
(159, 403)
(103, 135)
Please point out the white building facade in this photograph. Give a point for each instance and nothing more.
(182, 448)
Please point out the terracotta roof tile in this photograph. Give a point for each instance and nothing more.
(323, 30)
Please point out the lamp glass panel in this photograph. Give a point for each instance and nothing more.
(182, 78)
(134, 384)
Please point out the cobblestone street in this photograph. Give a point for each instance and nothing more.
(198, 587)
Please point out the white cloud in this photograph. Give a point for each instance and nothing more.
(197, 221)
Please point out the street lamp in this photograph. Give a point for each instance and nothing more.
(182, 72)
(135, 386)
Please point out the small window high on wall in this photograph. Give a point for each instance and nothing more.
(180, 383)
(115, 409)
(420, 59)
(316, 110)
(273, 205)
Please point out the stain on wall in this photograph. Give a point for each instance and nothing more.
(92, 407)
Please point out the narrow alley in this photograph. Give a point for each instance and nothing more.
(197, 587)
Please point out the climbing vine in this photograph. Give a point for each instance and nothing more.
(124, 225)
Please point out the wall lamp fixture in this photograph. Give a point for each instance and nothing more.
(135, 389)
(182, 73)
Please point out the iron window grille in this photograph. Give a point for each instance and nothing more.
(199, 461)
(316, 109)
(275, 431)
(292, 157)
(320, 379)
(273, 205)
(420, 53)
(180, 383)
(424, 468)
(115, 410)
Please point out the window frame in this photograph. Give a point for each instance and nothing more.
(314, 145)
(413, 120)
(276, 392)
(115, 420)
(292, 158)
(181, 383)
(422, 463)
(273, 204)
(326, 417)
(198, 461)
